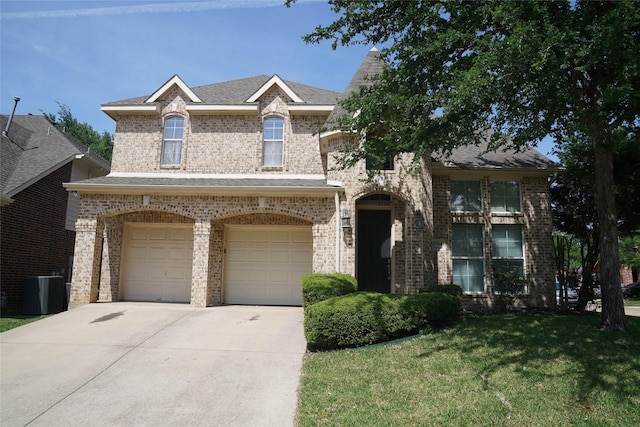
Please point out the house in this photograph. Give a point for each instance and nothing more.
(38, 214)
(227, 193)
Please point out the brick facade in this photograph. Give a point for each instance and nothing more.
(231, 144)
(34, 238)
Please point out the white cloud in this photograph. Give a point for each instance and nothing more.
(175, 7)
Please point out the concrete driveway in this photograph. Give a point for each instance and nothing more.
(148, 364)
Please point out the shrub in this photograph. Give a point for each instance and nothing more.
(319, 287)
(364, 318)
(454, 290)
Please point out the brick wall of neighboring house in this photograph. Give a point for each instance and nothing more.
(626, 275)
(34, 238)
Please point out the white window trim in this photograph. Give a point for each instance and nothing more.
(164, 140)
(264, 140)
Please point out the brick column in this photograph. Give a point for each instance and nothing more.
(200, 267)
(111, 255)
(86, 261)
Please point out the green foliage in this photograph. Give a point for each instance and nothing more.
(101, 144)
(508, 284)
(459, 73)
(630, 250)
(319, 287)
(451, 289)
(364, 318)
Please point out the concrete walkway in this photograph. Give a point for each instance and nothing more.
(147, 364)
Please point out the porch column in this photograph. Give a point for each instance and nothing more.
(111, 254)
(86, 261)
(200, 267)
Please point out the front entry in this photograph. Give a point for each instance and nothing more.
(374, 250)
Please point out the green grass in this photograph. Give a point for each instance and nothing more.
(511, 370)
(10, 320)
(632, 302)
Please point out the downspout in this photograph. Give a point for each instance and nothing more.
(337, 201)
(5, 132)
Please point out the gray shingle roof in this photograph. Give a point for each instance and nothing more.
(370, 67)
(34, 147)
(472, 156)
(236, 92)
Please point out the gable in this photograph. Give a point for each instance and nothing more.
(169, 85)
(274, 81)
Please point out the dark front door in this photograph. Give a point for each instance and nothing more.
(374, 250)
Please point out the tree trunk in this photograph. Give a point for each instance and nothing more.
(613, 317)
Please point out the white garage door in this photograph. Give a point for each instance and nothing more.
(263, 265)
(157, 262)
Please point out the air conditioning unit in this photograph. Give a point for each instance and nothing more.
(44, 295)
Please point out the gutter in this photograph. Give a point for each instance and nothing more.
(199, 190)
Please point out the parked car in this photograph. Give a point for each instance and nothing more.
(572, 296)
(631, 290)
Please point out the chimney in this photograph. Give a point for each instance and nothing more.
(5, 132)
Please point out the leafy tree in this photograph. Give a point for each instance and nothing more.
(630, 252)
(101, 144)
(524, 69)
(573, 201)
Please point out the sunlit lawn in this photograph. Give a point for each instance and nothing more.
(512, 370)
(13, 319)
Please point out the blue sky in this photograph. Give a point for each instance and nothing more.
(85, 53)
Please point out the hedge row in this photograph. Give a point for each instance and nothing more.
(454, 290)
(364, 318)
(319, 287)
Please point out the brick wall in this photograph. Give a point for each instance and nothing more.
(34, 239)
(112, 211)
(222, 143)
(535, 217)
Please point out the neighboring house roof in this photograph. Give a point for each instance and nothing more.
(477, 157)
(34, 148)
(194, 184)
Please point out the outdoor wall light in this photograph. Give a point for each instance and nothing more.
(346, 219)
(419, 219)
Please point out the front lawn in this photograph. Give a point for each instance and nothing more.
(632, 302)
(510, 370)
(10, 320)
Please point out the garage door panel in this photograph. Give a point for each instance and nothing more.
(263, 265)
(157, 234)
(158, 262)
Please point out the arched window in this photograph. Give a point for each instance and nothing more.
(273, 141)
(172, 141)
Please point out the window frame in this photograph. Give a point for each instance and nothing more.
(170, 141)
(456, 258)
(465, 197)
(503, 198)
(508, 259)
(272, 141)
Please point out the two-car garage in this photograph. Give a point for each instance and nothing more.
(262, 264)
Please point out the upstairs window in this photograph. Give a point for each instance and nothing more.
(383, 165)
(505, 196)
(466, 196)
(272, 142)
(172, 141)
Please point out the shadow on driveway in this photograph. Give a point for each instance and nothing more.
(154, 364)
